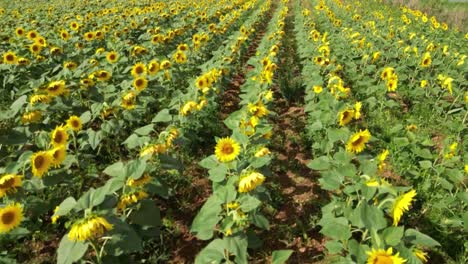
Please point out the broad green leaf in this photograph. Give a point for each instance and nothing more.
(392, 235)
(212, 253)
(136, 168)
(94, 138)
(146, 214)
(418, 238)
(218, 173)
(209, 162)
(249, 203)
(162, 116)
(145, 130)
(207, 218)
(70, 251)
(66, 206)
(320, 163)
(116, 170)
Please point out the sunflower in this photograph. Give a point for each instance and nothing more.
(358, 141)
(56, 88)
(31, 117)
(344, 117)
(227, 149)
(249, 182)
(74, 122)
(40, 163)
(140, 83)
(88, 36)
(259, 110)
(19, 31)
(10, 217)
(202, 82)
(132, 198)
(35, 48)
(317, 89)
(142, 181)
(153, 67)
(165, 65)
(112, 57)
(357, 110)
(41, 41)
(102, 75)
(392, 83)
(58, 155)
(70, 65)
(32, 34)
(188, 107)
(129, 100)
(380, 256)
(64, 35)
(9, 183)
(10, 58)
(387, 72)
(421, 255)
(401, 205)
(92, 227)
(138, 69)
(74, 26)
(262, 152)
(423, 83)
(59, 136)
(183, 47)
(426, 60)
(180, 57)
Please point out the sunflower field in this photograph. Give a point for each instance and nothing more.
(232, 131)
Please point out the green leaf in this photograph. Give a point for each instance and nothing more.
(372, 217)
(334, 247)
(13, 137)
(400, 141)
(336, 228)
(209, 162)
(330, 180)
(205, 221)
(85, 117)
(212, 253)
(218, 173)
(425, 164)
(145, 130)
(418, 238)
(171, 163)
(249, 203)
(280, 256)
(18, 104)
(136, 168)
(237, 245)
(162, 116)
(124, 239)
(260, 221)
(70, 251)
(358, 251)
(320, 163)
(392, 235)
(116, 170)
(66, 206)
(146, 214)
(94, 138)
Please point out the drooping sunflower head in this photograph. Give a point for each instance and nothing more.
(56, 88)
(138, 69)
(10, 57)
(58, 155)
(426, 60)
(10, 217)
(180, 57)
(140, 83)
(165, 65)
(40, 163)
(31, 117)
(129, 100)
(112, 57)
(250, 181)
(9, 183)
(102, 75)
(153, 67)
(59, 136)
(381, 256)
(74, 122)
(227, 149)
(358, 141)
(89, 228)
(345, 117)
(402, 204)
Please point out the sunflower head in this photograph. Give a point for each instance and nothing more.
(58, 155)
(10, 58)
(346, 116)
(20, 32)
(402, 204)
(112, 57)
(250, 181)
(92, 227)
(9, 183)
(358, 141)
(227, 149)
(74, 122)
(138, 69)
(56, 88)
(10, 217)
(381, 256)
(40, 163)
(59, 136)
(140, 83)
